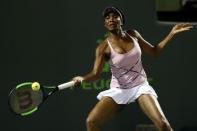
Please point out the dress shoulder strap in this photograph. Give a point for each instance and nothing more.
(108, 42)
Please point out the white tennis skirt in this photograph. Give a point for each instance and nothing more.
(126, 96)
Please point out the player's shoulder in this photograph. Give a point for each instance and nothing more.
(102, 47)
(133, 32)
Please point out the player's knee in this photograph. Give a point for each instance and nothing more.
(165, 126)
(91, 122)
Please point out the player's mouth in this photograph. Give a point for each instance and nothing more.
(112, 24)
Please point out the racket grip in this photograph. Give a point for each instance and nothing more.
(66, 85)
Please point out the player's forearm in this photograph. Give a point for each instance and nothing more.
(159, 47)
(92, 76)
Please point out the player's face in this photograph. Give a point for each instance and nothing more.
(112, 22)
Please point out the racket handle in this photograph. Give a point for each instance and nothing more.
(66, 85)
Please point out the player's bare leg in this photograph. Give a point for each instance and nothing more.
(150, 106)
(104, 110)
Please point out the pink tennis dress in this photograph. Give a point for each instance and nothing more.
(129, 79)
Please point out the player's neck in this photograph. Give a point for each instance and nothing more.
(117, 34)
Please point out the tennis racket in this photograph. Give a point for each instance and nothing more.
(27, 97)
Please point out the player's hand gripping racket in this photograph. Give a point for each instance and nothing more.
(26, 97)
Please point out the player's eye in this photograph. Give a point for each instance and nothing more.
(107, 17)
(115, 16)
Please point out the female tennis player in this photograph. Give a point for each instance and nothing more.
(122, 50)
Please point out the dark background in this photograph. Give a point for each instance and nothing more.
(51, 41)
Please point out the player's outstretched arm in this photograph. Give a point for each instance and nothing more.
(97, 68)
